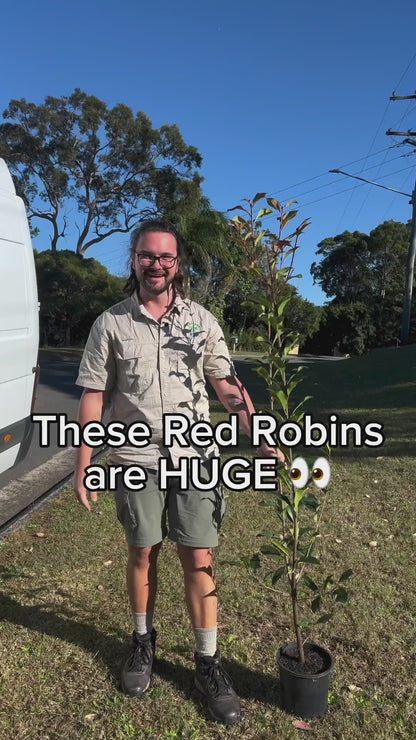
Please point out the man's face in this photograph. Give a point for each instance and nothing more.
(155, 278)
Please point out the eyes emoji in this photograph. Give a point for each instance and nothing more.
(299, 472)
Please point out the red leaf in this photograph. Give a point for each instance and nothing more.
(301, 725)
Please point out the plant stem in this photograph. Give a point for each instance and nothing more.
(294, 592)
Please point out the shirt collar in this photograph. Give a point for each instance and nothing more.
(178, 304)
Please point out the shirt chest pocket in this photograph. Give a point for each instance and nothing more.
(135, 367)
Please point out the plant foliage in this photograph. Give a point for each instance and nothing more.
(269, 258)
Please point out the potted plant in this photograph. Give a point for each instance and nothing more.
(304, 666)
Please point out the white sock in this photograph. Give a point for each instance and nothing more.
(205, 640)
(142, 623)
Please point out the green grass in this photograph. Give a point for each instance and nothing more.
(65, 625)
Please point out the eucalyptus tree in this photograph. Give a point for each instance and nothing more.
(108, 162)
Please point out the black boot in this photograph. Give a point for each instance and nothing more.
(135, 677)
(214, 683)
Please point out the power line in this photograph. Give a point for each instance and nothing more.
(395, 196)
(376, 134)
(355, 161)
(366, 169)
(405, 72)
(368, 155)
(368, 191)
(332, 195)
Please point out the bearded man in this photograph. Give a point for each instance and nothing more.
(148, 356)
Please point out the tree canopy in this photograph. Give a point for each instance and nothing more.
(364, 275)
(73, 291)
(111, 162)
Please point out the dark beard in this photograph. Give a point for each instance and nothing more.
(156, 290)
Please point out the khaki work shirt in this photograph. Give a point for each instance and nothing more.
(154, 368)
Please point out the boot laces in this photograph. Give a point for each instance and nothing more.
(142, 654)
(218, 680)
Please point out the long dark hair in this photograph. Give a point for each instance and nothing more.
(179, 282)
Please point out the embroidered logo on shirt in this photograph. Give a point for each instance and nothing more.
(192, 328)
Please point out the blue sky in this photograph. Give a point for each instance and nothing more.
(271, 94)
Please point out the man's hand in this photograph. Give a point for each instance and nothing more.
(266, 451)
(81, 492)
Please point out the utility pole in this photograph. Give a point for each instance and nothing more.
(407, 298)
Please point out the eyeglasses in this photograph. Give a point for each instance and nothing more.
(148, 260)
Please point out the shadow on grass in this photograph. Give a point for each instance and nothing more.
(113, 651)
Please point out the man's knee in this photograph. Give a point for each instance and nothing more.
(195, 558)
(143, 556)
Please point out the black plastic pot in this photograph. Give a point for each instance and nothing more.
(305, 695)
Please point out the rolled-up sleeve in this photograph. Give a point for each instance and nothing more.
(98, 369)
(217, 360)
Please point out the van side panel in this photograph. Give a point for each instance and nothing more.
(19, 328)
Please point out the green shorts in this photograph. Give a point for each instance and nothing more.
(194, 517)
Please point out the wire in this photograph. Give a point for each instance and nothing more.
(364, 169)
(355, 186)
(398, 126)
(309, 179)
(371, 146)
(395, 195)
(405, 72)
(368, 191)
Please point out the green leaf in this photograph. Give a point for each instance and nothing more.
(292, 385)
(316, 604)
(282, 304)
(304, 530)
(324, 618)
(283, 497)
(263, 373)
(345, 575)
(259, 237)
(290, 514)
(310, 583)
(267, 503)
(273, 203)
(281, 547)
(257, 197)
(341, 595)
(299, 494)
(303, 225)
(278, 574)
(307, 398)
(281, 397)
(309, 559)
(290, 203)
(264, 212)
(311, 502)
(288, 217)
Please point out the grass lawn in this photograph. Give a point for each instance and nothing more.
(65, 623)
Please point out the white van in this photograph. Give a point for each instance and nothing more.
(19, 325)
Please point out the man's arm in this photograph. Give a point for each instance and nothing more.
(236, 400)
(91, 408)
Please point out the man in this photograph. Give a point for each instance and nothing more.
(148, 356)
